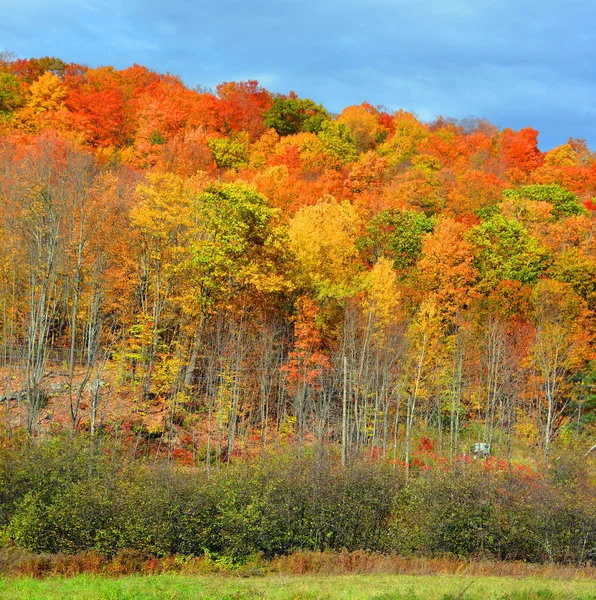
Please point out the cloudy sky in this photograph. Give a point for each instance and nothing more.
(518, 63)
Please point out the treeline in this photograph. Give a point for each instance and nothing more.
(73, 497)
(212, 272)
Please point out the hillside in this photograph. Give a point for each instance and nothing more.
(207, 274)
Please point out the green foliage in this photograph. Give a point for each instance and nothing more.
(230, 152)
(294, 115)
(488, 212)
(11, 94)
(156, 138)
(82, 502)
(337, 141)
(397, 235)
(504, 249)
(241, 245)
(579, 270)
(565, 203)
(583, 403)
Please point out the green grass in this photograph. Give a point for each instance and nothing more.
(276, 587)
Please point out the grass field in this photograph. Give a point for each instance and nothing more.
(307, 587)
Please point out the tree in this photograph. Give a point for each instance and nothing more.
(30, 69)
(423, 336)
(291, 115)
(397, 235)
(562, 347)
(337, 141)
(322, 239)
(242, 243)
(239, 247)
(575, 268)
(445, 270)
(96, 103)
(306, 361)
(409, 134)
(230, 152)
(363, 123)
(11, 94)
(47, 94)
(243, 105)
(163, 220)
(48, 182)
(565, 203)
(519, 153)
(503, 249)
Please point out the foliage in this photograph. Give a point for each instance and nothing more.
(291, 115)
(209, 274)
(11, 94)
(504, 250)
(82, 504)
(230, 153)
(565, 203)
(396, 235)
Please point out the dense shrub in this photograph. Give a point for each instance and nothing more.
(72, 498)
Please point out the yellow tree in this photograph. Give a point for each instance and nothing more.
(164, 222)
(383, 338)
(363, 122)
(322, 239)
(409, 135)
(423, 350)
(563, 345)
(47, 94)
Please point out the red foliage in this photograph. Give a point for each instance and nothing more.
(519, 153)
(425, 445)
(96, 103)
(307, 361)
(242, 106)
(183, 457)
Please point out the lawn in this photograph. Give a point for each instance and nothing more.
(305, 587)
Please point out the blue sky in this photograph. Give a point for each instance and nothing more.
(517, 63)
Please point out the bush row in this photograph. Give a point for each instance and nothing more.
(68, 497)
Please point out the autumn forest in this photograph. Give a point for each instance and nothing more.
(210, 276)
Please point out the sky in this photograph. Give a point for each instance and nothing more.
(523, 63)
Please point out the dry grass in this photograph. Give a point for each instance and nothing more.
(363, 562)
(20, 563)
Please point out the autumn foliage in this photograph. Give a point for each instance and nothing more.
(209, 272)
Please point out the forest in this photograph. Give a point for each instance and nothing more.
(211, 277)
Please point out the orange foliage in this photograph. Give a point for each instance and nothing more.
(307, 361)
(520, 154)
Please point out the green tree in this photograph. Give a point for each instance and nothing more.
(579, 270)
(337, 141)
(241, 244)
(503, 249)
(565, 203)
(11, 94)
(397, 235)
(290, 115)
(230, 152)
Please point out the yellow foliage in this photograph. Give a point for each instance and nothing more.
(165, 206)
(383, 297)
(260, 151)
(322, 239)
(561, 156)
(47, 93)
(363, 125)
(404, 143)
